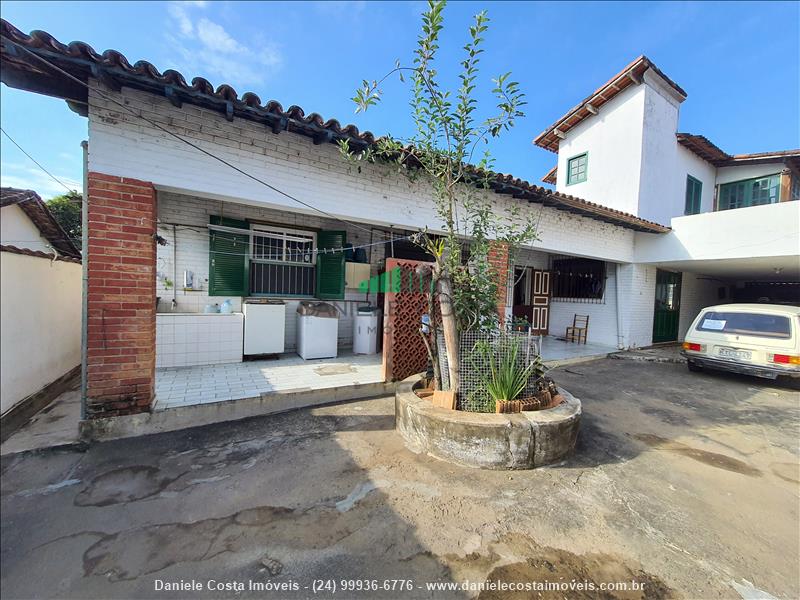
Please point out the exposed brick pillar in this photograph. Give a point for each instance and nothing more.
(499, 259)
(121, 296)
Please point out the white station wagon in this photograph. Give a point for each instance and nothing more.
(753, 339)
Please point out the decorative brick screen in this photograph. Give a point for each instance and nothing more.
(406, 300)
(121, 296)
(498, 258)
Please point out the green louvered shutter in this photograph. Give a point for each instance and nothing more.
(330, 265)
(228, 259)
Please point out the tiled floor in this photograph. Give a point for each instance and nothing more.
(554, 349)
(182, 386)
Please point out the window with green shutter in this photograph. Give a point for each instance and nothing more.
(694, 191)
(228, 259)
(330, 264)
(749, 192)
(577, 167)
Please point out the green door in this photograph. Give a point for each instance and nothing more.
(668, 306)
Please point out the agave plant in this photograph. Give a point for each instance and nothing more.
(507, 379)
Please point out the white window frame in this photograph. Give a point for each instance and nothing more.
(286, 234)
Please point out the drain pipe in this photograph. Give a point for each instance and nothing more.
(84, 279)
(620, 336)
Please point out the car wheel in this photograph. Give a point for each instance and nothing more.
(693, 366)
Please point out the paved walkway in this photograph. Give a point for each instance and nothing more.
(557, 352)
(54, 425)
(185, 386)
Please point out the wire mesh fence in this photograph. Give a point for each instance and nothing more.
(475, 347)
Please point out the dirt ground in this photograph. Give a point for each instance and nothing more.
(682, 486)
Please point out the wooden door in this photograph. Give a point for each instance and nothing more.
(540, 302)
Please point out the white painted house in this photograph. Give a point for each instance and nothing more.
(604, 244)
(735, 223)
(40, 302)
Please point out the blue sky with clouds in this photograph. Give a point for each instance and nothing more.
(739, 63)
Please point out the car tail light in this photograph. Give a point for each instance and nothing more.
(694, 347)
(786, 359)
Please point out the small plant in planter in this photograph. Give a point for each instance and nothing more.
(507, 380)
(520, 324)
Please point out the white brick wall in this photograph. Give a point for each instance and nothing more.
(637, 294)
(121, 144)
(697, 292)
(191, 216)
(602, 316)
(124, 145)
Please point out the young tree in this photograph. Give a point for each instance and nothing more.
(66, 209)
(448, 134)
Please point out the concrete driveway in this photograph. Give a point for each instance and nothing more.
(685, 485)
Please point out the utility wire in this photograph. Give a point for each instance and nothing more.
(37, 163)
(180, 138)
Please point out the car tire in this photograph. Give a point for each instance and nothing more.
(693, 366)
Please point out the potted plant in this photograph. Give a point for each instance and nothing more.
(507, 379)
(520, 323)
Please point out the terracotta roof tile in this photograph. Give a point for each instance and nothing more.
(81, 60)
(37, 211)
(711, 153)
(37, 254)
(588, 107)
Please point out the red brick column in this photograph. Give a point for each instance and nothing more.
(499, 260)
(121, 296)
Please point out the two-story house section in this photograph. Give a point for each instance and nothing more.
(735, 232)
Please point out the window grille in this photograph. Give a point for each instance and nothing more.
(576, 279)
(282, 261)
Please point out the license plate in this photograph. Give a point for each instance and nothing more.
(731, 353)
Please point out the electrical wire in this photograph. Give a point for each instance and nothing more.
(37, 163)
(182, 139)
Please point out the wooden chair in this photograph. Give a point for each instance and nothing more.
(579, 329)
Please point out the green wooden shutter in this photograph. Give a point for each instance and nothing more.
(228, 259)
(694, 190)
(330, 265)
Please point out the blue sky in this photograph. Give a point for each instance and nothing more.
(739, 63)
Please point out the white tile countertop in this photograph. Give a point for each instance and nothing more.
(189, 339)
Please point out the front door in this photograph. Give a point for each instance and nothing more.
(668, 306)
(540, 302)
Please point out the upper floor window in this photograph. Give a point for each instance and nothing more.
(750, 192)
(576, 168)
(694, 190)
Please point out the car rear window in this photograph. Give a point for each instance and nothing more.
(746, 323)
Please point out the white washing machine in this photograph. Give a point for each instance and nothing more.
(366, 326)
(264, 326)
(317, 330)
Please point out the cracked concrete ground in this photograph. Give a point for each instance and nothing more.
(686, 483)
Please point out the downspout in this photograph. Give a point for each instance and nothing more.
(85, 279)
(620, 337)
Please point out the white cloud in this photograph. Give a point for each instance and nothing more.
(213, 35)
(204, 47)
(32, 178)
(177, 11)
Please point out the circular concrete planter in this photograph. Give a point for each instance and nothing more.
(489, 441)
